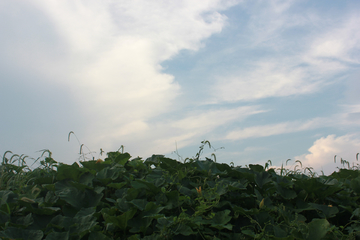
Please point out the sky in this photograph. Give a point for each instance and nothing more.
(260, 80)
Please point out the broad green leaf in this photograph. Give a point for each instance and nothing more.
(141, 184)
(325, 210)
(77, 198)
(79, 186)
(72, 172)
(61, 222)
(279, 232)
(117, 157)
(122, 158)
(134, 237)
(108, 174)
(83, 225)
(248, 232)
(151, 209)
(243, 211)
(44, 180)
(58, 236)
(154, 159)
(137, 164)
(355, 185)
(311, 185)
(94, 166)
(207, 166)
(256, 167)
(19, 233)
(356, 213)
(125, 217)
(186, 191)
(117, 185)
(139, 203)
(85, 212)
(120, 221)
(131, 193)
(285, 192)
(139, 224)
(172, 200)
(221, 219)
(318, 229)
(233, 186)
(262, 178)
(222, 188)
(164, 222)
(122, 204)
(243, 173)
(159, 182)
(25, 221)
(345, 174)
(4, 218)
(98, 236)
(168, 163)
(87, 179)
(7, 197)
(34, 208)
(183, 230)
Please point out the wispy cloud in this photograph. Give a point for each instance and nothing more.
(350, 115)
(338, 42)
(189, 129)
(266, 79)
(276, 129)
(301, 55)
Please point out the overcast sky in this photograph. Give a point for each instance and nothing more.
(264, 80)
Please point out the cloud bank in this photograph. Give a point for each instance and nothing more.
(323, 151)
(107, 56)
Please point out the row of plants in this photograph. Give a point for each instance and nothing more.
(161, 198)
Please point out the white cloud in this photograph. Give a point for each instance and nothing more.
(208, 120)
(266, 79)
(350, 115)
(188, 130)
(338, 42)
(303, 53)
(269, 19)
(276, 129)
(108, 54)
(321, 156)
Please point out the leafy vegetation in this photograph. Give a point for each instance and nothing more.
(162, 198)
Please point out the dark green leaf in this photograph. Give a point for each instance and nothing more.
(221, 219)
(116, 185)
(262, 178)
(98, 236)
(18, 233)
(58, 236)
(318, 229)
(72, 172)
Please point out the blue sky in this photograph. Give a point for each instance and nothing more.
(264, 80)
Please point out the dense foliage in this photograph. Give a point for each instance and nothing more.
(161, 198)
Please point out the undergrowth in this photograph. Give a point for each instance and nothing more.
(160, 198)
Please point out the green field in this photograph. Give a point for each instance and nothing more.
(160, 198)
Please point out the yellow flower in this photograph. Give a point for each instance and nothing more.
(261, 205)
(198, 190)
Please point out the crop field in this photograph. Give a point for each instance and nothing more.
(120, 197)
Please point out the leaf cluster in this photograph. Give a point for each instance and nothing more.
(161, 198)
